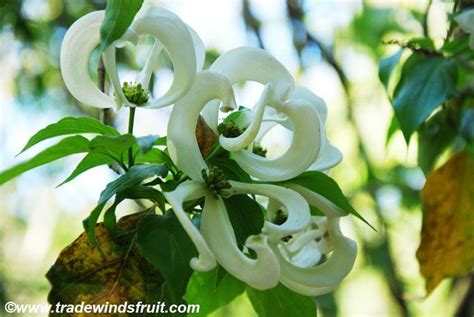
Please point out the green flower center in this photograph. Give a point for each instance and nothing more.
(280, 217)
(229, 129)
(215, 180)
(135, 93)
(259, 150)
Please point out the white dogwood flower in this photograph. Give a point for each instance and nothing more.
(181, 43)
(216, 239)
(466, 21)
(281, 102)
(302, 267)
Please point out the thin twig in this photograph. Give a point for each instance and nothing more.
(101, 84)
(131, 121)
(106, 112)
(251, 22)
(426, 31)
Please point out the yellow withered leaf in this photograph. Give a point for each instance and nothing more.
(447, 236)
(115, 274)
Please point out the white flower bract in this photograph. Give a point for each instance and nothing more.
(181, 43)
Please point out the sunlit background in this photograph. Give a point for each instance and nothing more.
(331, 47)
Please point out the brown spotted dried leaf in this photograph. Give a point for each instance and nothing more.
(116, 274)
(447, 237)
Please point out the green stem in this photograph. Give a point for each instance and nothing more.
(131, 120)
(218, 149)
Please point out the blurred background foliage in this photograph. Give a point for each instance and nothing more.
(332, 47)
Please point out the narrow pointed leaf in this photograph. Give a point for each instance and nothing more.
(68, 146)
(387, 65)
(324, 185)
(119, 15)
(90, 161)
(114, 147)
(71, 125)
(146, 143)
(132, 178)
(136, 192)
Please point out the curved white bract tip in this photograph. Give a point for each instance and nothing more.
(182, 123)
(78, 43)
(322, 278)
(248, 136)
(303, 151)
(260, 273)
(330, 157)
(297, 209)
(152, 62)
(308, 256)
(199, 48)
(173, 34)
(249, 64)
(187, 191)
(151, 65)
(317, 102)
(301, 240)
(254, 64)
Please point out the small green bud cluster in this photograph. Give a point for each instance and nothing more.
(259, 150)
(215, 180)
(280, 217)
(135, 93)
(229, 129)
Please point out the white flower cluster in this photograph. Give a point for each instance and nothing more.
(306, 253)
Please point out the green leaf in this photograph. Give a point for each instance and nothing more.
(161, 141)
(457, 46)
(91, 160)
(114, 147)
(204, 290)
(387, 65)
(164, 243)
(426, 82)
(324, 185)
(132, 178)
(433, 137)
(394, 126)
(70, 125)
(68, 146)
(155, 156)
(281, 302)
(422, 42)
(246, 216)
(145, 143)
(136, 192)
(119, 14)
(372, 25)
